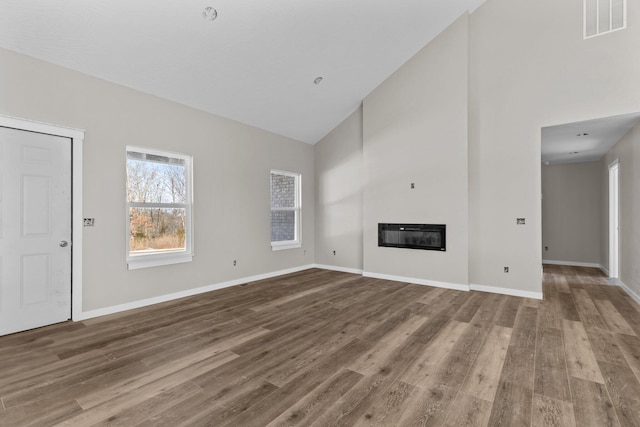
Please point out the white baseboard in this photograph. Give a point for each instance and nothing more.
(506, 291)
(572, 263)
(336, 268)
(455, 286)
(187, 293)
(628, 290)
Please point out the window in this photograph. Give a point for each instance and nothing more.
(604, 16)
(286, 208)
(159, 201)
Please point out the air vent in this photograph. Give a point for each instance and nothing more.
(604, 16)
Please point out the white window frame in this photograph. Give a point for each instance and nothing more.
(297, 242)
(611, 29)
(167, 257)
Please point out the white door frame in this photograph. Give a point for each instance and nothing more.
(77, 139)
(614, 219)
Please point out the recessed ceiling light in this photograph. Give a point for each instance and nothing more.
(209, 13)
(583, 134)
(574, 152)
(317, 80)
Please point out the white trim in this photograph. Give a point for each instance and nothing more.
(182, 294)
(614, 218)
(297, 209)
(446, 285)
(281, 246)
(77, 141)
(506, 291)
(572, 263)
(157, 260)
(605, 270)
(628, 290)
(336, 268)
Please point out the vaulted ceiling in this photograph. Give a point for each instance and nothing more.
(256, 62)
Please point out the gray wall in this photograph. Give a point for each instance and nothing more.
(338, 166)
(232, 162)
(571, 212)
(415, 131)
(530, 68)
(627, 152)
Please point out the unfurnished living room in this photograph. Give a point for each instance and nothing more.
(260, 213)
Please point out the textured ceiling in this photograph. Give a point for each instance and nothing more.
(255, 63)
(569, 144)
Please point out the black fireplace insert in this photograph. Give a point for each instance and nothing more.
(431, 237)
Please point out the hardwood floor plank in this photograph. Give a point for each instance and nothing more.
(592, 406)
(468, 411)
(588, 311)
(378, 355)
(581, 362)
(613, 318)
(624, 390)
(148, 408)
(209, 357)
(389, 407)
(551, 412)
(486, 371)
(630, 348)
(421, 372)
(220, 415)
(551, 367)
(512, 406)
(605, 347)
(307, 409)
(567, 307)
(358, 401)
(508, 311)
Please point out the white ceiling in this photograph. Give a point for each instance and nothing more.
(255, 63)
(568, 144)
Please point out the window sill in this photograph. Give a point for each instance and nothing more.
(147, 261)
(280, 246)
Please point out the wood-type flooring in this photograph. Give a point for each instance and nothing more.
(324, 348)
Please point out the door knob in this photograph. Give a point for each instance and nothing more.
(63, 243)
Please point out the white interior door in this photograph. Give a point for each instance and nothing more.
(35, 237)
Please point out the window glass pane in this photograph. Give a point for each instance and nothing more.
(283, 226)
(151, 181)
(283, 191)
(156, 229)
(617, 14)
(590, 16)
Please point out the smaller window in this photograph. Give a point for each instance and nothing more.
(604, 16)
(286, 209)
(159, 229)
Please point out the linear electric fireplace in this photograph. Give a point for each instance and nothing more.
(431, 237)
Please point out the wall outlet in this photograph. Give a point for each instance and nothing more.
(546, 248)
(235, 262)
(413, 185)
(520, 221)
(506, 269)
(334, 252)
(89, 222)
